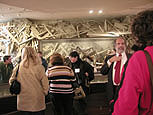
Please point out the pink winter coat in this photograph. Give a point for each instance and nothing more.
(136, 86)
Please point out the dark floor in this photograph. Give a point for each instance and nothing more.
(96, 103)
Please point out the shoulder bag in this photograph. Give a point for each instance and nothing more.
(79, 93)
(78, 90)
(150, 66)
(15, 87)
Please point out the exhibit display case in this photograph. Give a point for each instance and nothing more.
(95, 48)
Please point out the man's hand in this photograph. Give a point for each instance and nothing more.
(86, 74)
(115, 58)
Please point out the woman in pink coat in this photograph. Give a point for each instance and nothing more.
(135, 95)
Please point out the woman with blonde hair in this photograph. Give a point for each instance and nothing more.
(34, 83)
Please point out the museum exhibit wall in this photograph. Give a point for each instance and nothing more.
(91, 37)
(18, 33)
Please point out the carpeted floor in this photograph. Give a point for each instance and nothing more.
(97, 104)
(96, 101)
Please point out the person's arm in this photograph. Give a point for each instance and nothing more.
(0, 68)
(106, 67)
(13, 75)
(44, 63)
(90, 71)
(1, 75)
(44, 81)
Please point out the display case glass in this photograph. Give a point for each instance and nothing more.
(94, 48)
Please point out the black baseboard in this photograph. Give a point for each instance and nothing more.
(8, 104)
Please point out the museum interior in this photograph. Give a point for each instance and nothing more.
(86, 26)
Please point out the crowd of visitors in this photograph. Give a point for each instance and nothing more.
(129, 86)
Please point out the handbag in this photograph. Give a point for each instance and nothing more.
(79, 93)
(15, 87)
(78, 90)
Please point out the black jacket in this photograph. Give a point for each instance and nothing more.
(105, 70)
(84, 67)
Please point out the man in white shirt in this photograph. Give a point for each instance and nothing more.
(110, 67)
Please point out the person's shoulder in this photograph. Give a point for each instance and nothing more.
(128, 55)
(1, 63)
(109, 56)
(11, 64)
(67, 67)
(138, 53)
(43, 59)
(39, 67)
(138, 56)
(86, 64)
(59, 67)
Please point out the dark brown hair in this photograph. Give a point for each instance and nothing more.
(56, 59)
(6, 57)
(142, 26)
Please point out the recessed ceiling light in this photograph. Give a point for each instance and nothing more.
(2, 16)
(9, 8)
(100, 11)
(18, 14)
(91, 11)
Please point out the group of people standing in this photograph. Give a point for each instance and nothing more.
(128, 77)
(37, 80)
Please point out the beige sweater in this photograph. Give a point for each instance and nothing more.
(34, 87)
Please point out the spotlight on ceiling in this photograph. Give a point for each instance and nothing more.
(91, 11)
(100, 11)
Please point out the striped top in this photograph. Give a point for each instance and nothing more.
(60, 79)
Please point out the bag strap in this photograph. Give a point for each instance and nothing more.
(17, 72)
(150, 65)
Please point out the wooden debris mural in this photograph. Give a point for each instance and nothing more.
(18, 33)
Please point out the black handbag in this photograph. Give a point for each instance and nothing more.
(15, 87)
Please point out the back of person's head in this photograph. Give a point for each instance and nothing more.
(29, 55)
(6, 57)
(39, 52)
(142, 26)
(74, 54)
(56, 59)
